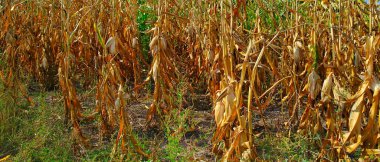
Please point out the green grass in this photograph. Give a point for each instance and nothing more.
(41, 134)
(101, 154)
(174, 151)
(175, 127)
(6, 128)
(38, 133)
(293, 148)
(10, 110)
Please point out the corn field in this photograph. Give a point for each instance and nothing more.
(317, 59)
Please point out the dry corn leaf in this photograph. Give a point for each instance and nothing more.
(153, 42)
(355, 119)
(155, 69)
(326, 88)
(219, 113)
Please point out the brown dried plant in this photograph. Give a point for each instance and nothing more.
(318, 59)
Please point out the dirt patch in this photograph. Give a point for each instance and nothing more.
(196, 141)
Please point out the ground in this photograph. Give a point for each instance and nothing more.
(42, 135)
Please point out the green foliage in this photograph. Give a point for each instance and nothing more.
(314, 51)
(41, 134)
(101, 154)
(175, 128)
(270, 20)
(293, 148)
(173, 149)
(10, 109)
(145, 14)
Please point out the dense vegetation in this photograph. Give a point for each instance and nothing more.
(72, 73)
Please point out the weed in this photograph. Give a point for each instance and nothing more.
(41, 134)
(175, 128)
(324, 53)
(293, 148)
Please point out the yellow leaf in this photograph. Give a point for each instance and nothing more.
(354, 122)
(5, 158)
(373, 151)
(352, 148)
(326, 88)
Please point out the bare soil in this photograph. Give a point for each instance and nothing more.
(196, 140)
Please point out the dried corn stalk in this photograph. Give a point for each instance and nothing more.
(163, 69)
